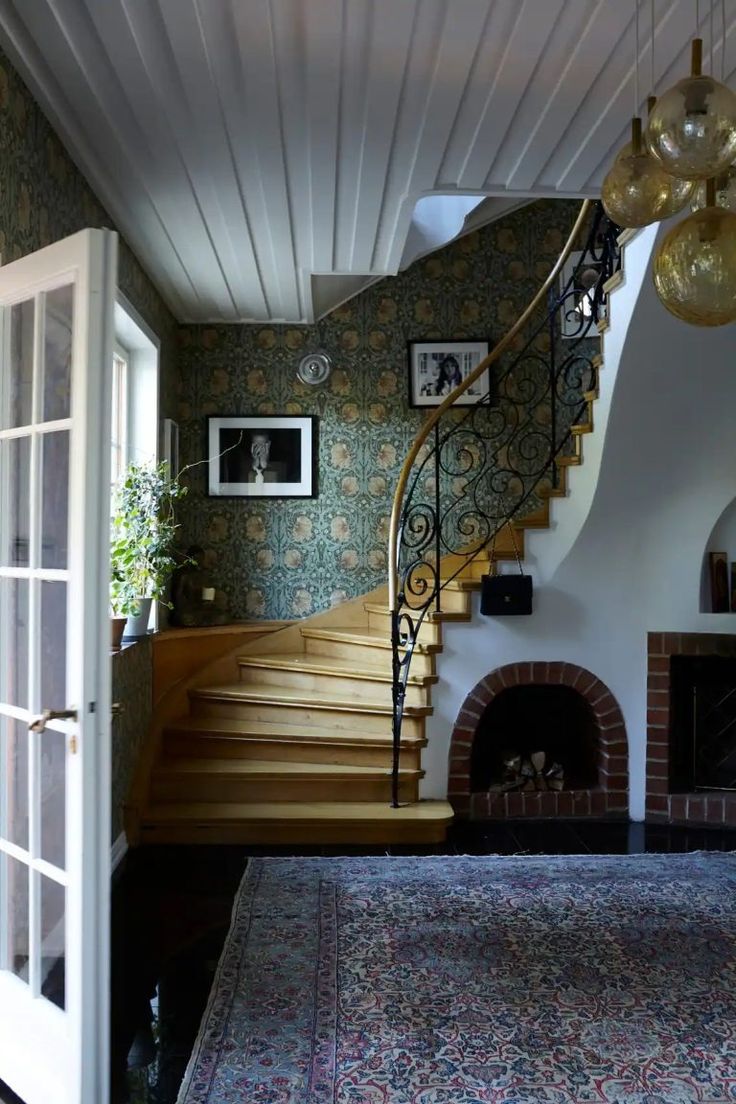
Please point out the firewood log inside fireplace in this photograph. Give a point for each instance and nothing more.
(529, 772)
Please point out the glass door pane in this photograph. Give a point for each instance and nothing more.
(34, 670)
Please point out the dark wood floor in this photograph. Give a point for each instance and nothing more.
(171, 912)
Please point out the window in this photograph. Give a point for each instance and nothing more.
(135, 428)
(119, 452)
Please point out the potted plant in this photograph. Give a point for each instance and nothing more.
(142, 536)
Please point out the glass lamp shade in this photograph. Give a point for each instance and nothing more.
(636, 190)
(725, 192)
(695, 268)
(692, 128)
(680, 191)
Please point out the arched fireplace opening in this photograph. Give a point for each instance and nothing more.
(539, 740)
(535, 738)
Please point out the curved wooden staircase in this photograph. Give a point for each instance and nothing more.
(298, 749)
(294, 748)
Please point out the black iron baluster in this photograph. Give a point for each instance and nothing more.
(437, 515)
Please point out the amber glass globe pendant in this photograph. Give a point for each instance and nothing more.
(636, 190)
(695, 266)
(692, 127)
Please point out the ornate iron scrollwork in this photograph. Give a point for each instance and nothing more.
(486, 462)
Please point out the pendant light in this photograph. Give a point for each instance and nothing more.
(692, 128)
(726, 182)
(725, 191)
(680, 191)
(636, 190)
(695, 266)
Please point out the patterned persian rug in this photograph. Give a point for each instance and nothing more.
(603, 980)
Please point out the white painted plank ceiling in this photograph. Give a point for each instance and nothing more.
(249, 148)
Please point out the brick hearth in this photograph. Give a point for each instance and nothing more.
(663, 805)
(609, 798)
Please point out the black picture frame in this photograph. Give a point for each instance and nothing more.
(428, 361)
(286, 460)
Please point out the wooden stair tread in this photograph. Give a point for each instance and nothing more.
(285, 695)
(280, 731)
(308, 663)
(431, 615)
(264, 768)
(461, 584)
(362, 636)
(300, 811)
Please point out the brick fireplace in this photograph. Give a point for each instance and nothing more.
(669, 796)
(604, 795)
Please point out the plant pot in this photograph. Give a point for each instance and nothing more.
(137, 624)
(117, 625)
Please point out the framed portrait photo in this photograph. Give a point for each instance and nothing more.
(437, 367)
(269, 456)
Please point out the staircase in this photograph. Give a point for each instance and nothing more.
(295, 748)
(298, 749)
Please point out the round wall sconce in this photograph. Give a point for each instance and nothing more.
(314, 368)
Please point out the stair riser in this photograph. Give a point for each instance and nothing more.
(205, 788)
(316, 682)
(285, 751)
(305, 834)
(429, 632)
(362, 656)
(305, 715)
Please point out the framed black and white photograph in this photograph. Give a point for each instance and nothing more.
(262, 457)
(437, 367)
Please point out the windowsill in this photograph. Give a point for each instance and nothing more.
(127, 644)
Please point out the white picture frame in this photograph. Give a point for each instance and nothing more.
(437, 367)
(263, 456)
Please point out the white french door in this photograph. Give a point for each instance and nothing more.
(56, 316)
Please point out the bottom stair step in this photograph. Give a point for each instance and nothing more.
(245, 780)
(297, 823)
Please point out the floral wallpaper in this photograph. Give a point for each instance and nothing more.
(44, 197)
(284, 558)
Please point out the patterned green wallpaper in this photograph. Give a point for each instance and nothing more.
(43, 197)
(290, 557)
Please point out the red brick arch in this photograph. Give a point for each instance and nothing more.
(609, 798)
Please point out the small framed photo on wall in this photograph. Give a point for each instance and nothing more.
(437, 367)
(267, 456)
(719, 583)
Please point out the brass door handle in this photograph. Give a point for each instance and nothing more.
(39, 725)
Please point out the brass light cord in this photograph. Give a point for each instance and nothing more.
(493, 356)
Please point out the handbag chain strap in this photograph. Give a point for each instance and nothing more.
(516, 547)
(494, 567)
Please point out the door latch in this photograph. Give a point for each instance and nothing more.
(39, 725)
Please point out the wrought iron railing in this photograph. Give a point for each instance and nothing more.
(474, 468)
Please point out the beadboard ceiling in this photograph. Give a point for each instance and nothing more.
(264, 158)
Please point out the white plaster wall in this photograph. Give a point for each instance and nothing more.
(666, 474)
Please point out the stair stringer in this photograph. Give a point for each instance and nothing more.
(545, 552)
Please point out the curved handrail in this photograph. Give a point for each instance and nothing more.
(495, 353)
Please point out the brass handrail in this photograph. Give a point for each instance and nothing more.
(495, 353)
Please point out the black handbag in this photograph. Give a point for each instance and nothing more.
(506, 595)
